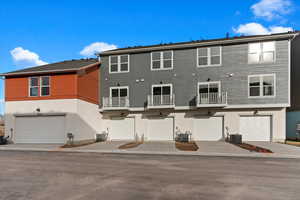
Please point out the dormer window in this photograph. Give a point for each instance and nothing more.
(162, 60)
(119, 64)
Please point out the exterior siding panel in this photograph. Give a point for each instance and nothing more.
(185, 76)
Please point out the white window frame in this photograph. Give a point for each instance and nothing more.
(119, 63)
(162, 61)
(29, 83)
(261, 53)
(207, 83)
(208, 57)
(118, 87)
(261, 87)
(40, 85)
(162, 85)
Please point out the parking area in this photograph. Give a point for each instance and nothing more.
(211, 148)
(66, 175)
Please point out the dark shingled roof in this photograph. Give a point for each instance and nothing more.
(196, 42)
(68, 65)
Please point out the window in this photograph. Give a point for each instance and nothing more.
(209, 87)
(162, 94)
(119, 96)
(39, 86)
(261, 85)
(261, 52)
(45, 86)
(119, 64)
(162, 60)
(209, 56)
(33, 86)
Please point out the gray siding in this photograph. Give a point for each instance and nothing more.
(185, 76)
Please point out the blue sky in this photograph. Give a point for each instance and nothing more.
(34, 32)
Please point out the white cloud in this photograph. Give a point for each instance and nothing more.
(280, 29)
(258, 29)
(96, 47)
(271, 9)
(26, 58)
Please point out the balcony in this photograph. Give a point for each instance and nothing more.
(212, 99)
(161, 101)
(115, 103)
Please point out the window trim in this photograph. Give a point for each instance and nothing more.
(118, 87)
(162, 85)
(162, 60)
(208, 57)
(29, 86)
(118, 63)
(261, 86)
(41, 86)
(207, 83)
(261, 53)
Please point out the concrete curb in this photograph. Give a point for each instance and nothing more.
(130, 152)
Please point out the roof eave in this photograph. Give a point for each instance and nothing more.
(49, 71)
(199, 44)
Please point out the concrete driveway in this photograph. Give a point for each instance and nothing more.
(69, 176)
(213, 148)
(53, 147)
(278, 148)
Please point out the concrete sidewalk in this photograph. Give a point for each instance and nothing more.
(168, 148)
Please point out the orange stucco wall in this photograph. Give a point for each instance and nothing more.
(88, 85)
(62, 86)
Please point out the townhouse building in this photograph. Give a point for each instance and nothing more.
(208, 88)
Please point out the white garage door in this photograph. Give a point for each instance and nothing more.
(46, 129)
(255, 128)
(160, 129)
(121, 129)
(208, 128)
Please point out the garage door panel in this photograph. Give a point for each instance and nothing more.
(160, 129)
(208, 128)
(255, 128)
(121, 129)
(46, 129)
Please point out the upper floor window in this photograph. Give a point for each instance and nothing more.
(119, 63)
(33, 86)
(209, 87)
(161, 95)
(119, 96)
(45, 86)
(161, 90)
(39, 86)
(261, 85)
(119, 92)
(162, 60)
(261, 52)
(209, 56)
